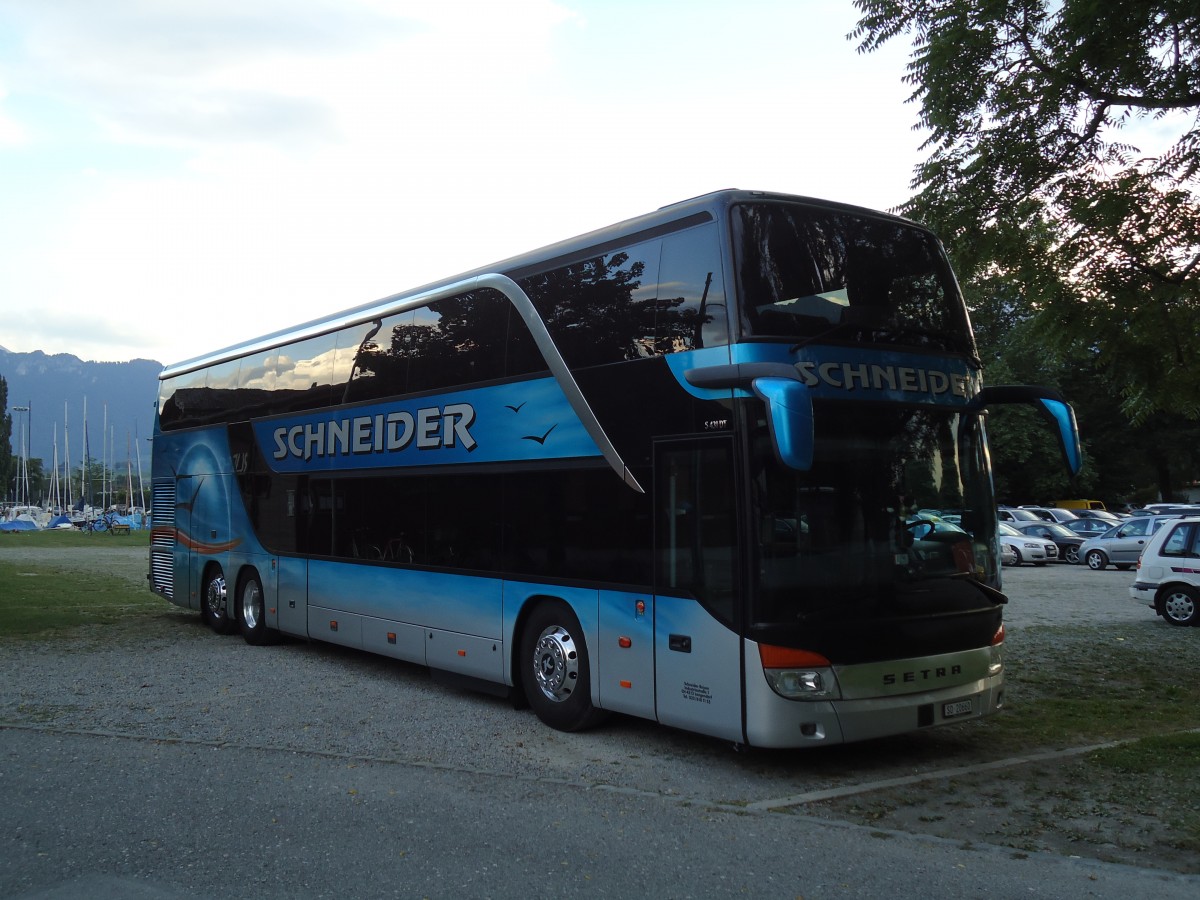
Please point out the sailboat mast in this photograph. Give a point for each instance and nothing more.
(67, 458)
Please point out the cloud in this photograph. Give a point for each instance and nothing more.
(87, 333)
(256, 163)
(196, 74)
(12, 132)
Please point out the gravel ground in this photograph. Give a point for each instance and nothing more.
(164, 677)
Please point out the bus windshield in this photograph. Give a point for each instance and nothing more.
(808, 274)
(895, 511)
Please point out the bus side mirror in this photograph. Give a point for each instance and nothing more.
(1052, 407)
(789, 419)
(1060, 414)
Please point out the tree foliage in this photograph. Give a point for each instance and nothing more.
(1042, 117)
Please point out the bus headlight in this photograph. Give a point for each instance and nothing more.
(798, 674)
(803, 684)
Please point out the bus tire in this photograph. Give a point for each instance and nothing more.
(252, 612)
(555, 671)
(214, 602)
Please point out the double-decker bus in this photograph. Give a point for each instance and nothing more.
(682, 468)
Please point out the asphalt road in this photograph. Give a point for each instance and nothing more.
(170, 763)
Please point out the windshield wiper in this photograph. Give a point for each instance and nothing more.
(840, 326)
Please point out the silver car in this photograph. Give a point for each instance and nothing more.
(1023, 547)
(1122, 544)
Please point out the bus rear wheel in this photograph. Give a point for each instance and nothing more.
(555, 671)
(252, 612)
(214, 602)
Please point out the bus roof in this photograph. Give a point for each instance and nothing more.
(674, 217)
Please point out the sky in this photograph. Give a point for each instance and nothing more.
(179, 176)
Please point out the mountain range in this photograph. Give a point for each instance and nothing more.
(54, 387)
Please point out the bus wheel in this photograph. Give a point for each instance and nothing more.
(555, 671)
(252, 612)
(214, 603)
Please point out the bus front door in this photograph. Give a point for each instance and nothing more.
(697, 649)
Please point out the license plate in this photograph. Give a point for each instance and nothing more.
(957, 708)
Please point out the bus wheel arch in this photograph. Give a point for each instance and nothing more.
(251, 609)
(215, 606)
(553, 666)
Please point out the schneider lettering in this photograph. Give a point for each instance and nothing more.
(849, 376)
(429, 428)
(921, 675)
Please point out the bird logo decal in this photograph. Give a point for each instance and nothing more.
(542, 439)
(537, 438)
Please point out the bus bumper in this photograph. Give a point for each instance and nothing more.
(775, 721)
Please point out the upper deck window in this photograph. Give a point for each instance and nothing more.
(808, 273)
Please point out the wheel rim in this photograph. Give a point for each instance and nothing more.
(1179, 606)
(215, 596)
(556, 663)
(1072, 554)
(251, 604)
(1095, 560)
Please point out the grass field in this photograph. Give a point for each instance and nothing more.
(54, 581)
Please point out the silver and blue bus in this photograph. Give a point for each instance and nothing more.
(722, 466)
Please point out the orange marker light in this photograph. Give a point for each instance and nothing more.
(624, 642)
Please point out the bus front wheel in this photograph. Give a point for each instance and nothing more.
(214, 602)
(555, 671)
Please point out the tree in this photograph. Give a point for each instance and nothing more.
(1039, 113)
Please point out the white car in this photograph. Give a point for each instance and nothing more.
(1025, 549)
(1168, 573)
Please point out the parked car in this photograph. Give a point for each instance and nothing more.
(1102, 515)
(1015, 514)
(1122, 544)
(1168, 576)
(1026, 549)
(1171, 509)
(1052, 513)
(1087, 528)
(1067, 541)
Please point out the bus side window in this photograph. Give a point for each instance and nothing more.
(599, 309)
(690, 311)
(303, 374)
